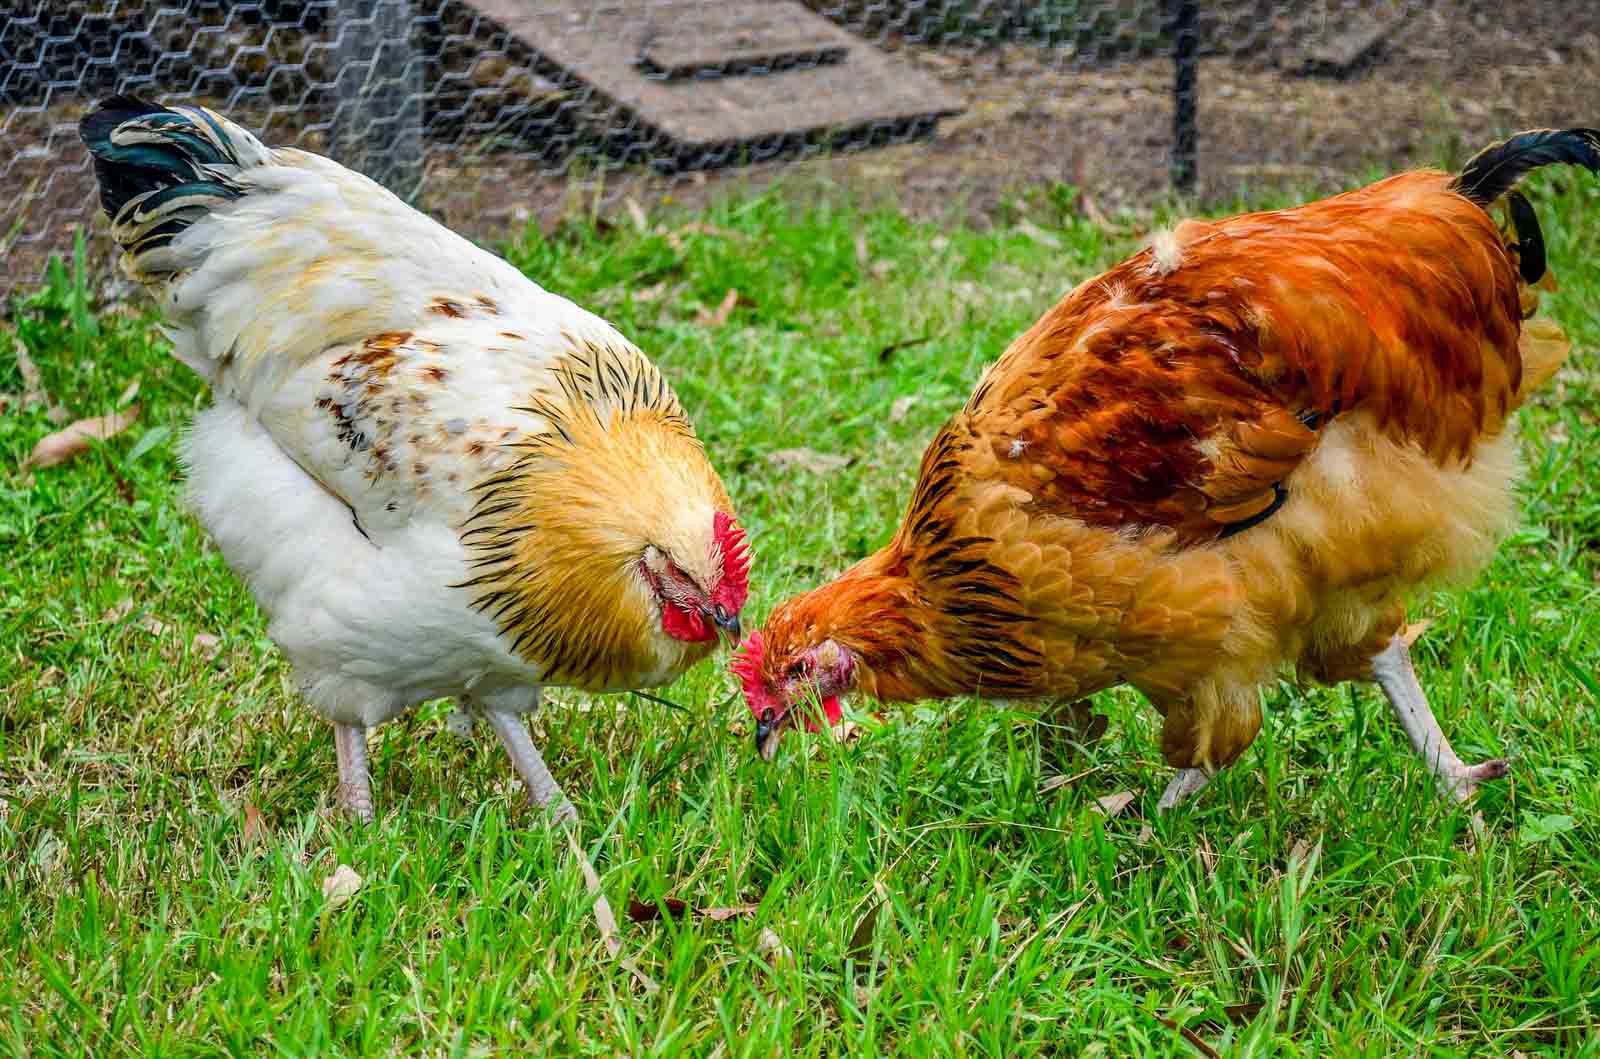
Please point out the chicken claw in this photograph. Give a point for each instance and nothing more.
(1393, 671)
(1186, 784)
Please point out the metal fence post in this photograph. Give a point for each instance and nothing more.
(1185, 92)
(377, 126)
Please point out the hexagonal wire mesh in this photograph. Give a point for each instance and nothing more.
(490, 113)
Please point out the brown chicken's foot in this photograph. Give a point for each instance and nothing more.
(1187, 783)
(1394, 673)
(355, 781)
(525, 757)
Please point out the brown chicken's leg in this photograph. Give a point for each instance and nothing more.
(355, 782)
(542, 786)
(1393, 671)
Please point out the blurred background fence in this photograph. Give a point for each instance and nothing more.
(494, 113)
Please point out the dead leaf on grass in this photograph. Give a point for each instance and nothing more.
(1299, 851)
(1243, 1013)
(206, 645)
(808, 460)
(650, 293)
(639, 912)
(255, 829)
(718, 316)
(1191, 1036)
(860, 944)
(340, 886)
(153, 625)
(63, 445)
(901, 406)
(1112, 805)
(117, 611)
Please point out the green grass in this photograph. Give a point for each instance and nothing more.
(1318, 899)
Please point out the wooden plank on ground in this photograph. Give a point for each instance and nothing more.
(713, 74)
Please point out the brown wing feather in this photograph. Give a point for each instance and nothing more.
(1182, 388)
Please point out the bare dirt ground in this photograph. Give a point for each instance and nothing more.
(1450, 80)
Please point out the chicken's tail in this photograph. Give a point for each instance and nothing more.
(1493, 173)
(160, 169)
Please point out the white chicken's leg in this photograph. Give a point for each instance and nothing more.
(1393, 671)
(355, 782)
(1187, 783)
(542, 786)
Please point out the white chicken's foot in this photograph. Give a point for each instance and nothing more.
(525, 757)
(355, 781)
(1186, 784)
(1394, 673)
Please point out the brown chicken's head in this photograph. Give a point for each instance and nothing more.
(700, 586)
(791, 667)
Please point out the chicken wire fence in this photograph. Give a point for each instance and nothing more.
(494, 113)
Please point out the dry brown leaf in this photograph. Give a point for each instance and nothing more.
(6, 401)
(1050, 783)
(639, 912)
(808, 460)
(255, 829)
(1146, 833)
(650, 293)
(901, 406)
(864, 996)
(1299, 851)
(719, 316)
(340, 886)
(1111, 805)
(718, 915)
(153, 625)
(1191, 1036)
(860, 944)
(117, 611)
(63, 445)
(206, 644)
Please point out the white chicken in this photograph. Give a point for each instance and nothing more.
(437, 478)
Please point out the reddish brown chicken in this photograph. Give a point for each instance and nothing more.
(1237, 452)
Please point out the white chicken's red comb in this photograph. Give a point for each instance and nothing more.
(734, 587)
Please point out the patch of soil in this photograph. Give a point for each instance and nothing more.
(1451, 79)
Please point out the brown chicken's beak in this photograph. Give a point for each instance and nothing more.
(767, 735)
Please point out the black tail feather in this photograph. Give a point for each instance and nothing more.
(1496, 169)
